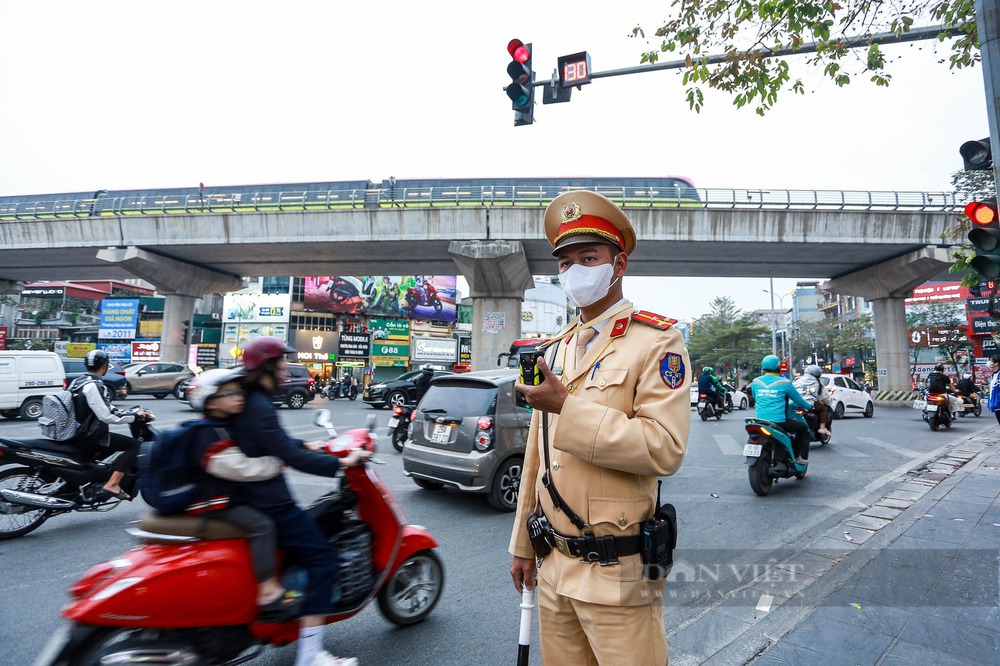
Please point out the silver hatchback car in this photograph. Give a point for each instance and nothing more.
(469, 432)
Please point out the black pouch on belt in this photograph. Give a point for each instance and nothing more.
(536, 532)
(659, 538)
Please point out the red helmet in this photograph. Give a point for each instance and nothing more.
(259, 351)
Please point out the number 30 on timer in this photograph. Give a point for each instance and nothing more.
(574, 70)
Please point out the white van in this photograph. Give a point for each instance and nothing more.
(25, 378)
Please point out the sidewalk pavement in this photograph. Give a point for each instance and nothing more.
(913, 578)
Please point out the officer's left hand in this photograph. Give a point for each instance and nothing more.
(548, 396)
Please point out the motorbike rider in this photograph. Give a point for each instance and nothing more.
(422, 381)
(772, 394)
(968, 389)
(939, 383)
(259, 433)
(809, 386)
(720, 387)
(94, 412)
(707, 385)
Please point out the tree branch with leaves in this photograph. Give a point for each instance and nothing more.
(748, 33)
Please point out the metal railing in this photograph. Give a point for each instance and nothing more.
(452, 196)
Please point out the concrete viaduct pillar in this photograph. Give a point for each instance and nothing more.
(498, 275)
(887, 285)
(181, 283)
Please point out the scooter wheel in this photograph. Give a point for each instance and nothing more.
(398, 439)
(413, 590)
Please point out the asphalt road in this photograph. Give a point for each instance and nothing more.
(477, 618)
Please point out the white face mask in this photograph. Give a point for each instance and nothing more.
(585, 285)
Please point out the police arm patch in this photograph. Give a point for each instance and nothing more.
(672, 370)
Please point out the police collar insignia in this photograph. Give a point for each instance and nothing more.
(672, 370)
(570, 212)
(619, 327)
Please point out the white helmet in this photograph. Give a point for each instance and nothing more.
(967, 376)
(814, 370)
(207, 384)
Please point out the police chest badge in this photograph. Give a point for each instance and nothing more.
(672, 370)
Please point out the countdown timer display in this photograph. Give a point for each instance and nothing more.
(574, 69)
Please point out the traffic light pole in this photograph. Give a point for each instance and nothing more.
(915, 35)
(988, 24)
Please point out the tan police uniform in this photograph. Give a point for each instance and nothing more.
(624, 423)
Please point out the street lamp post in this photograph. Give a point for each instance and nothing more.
(774, 321)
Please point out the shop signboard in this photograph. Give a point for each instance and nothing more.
(207, 356)
(391, 354)
(119, 318)
(118, 352)
(353, 345)
(389, 329)
(441, 350)
(269, 308)
(314, 345)
(148, 350)
(983, 325)
(43, 292)
(938, 292)
(465, 350)
(3, 337)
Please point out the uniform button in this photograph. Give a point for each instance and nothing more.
(600, 383)
(556, 465)
(623, 521)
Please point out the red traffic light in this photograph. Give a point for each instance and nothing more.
(982, 212)
(518, 51)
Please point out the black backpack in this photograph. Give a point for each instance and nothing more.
(937, 382)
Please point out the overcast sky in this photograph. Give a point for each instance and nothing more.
(123, 95)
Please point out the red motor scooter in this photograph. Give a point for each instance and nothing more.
(187, 594)
(427, 297)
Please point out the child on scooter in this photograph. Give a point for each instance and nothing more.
(219, 393)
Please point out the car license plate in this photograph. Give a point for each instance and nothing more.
(701, 405)
(919, 404)
(752, 450)
(441, 434)
(393, 422)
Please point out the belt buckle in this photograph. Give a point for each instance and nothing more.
(561, 544)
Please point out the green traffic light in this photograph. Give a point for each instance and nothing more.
(519, 95)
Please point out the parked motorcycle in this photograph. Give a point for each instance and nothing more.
(42, 478)
(187, 594)
(940, 410)
(707, 408)
(426, 296)
(770, 455)
(399, 425)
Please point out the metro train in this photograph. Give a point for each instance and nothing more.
(672, 190)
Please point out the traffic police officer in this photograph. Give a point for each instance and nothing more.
(625, 400)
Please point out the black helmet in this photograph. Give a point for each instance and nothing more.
(96, 359)
(939, 367)
(427, 368)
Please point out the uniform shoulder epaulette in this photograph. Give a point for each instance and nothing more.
(653, 319)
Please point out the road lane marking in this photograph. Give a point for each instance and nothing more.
(889, 446)
(728, 445)
(846, 451)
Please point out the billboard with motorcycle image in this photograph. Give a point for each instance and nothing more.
(399, 296)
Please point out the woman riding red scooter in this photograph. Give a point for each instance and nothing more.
(189, 592)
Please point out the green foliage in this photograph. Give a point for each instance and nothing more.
(747, 32)
(728, 335)
(856, 336)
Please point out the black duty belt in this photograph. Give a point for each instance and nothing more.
(604, 550)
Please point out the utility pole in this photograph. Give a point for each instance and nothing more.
(988, 25)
